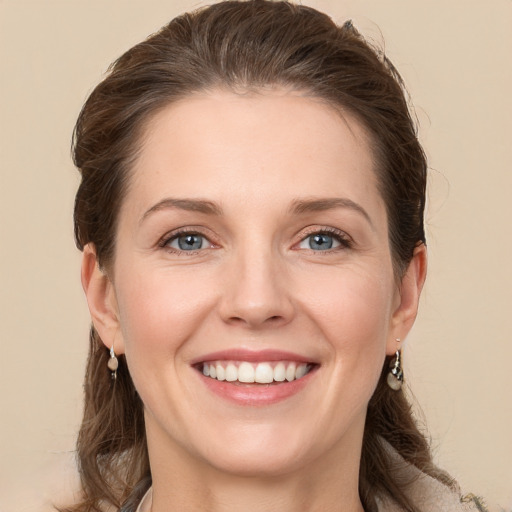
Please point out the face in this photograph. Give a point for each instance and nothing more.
(252, 289)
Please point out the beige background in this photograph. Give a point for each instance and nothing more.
(455, 57)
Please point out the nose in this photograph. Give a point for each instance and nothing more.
(256, 292)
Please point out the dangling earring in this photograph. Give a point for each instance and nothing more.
(396, 375)
(113, 363)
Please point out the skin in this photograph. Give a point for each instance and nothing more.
(255, 284)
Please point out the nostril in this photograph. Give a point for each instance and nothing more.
(273, 320)
(254, 309)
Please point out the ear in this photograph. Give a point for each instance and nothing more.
(101, 299)
(408, 297)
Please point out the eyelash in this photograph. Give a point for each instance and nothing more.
(340, 236)
(169, 237)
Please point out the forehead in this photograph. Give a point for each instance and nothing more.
(248, 145)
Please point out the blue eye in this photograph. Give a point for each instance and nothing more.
(188, 242)
(320, 242)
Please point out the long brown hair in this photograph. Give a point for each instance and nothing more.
(240, 45)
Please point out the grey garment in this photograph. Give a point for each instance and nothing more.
(427, 493)
(138, 495)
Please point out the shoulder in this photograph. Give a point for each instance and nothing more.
(46, 489)
(427, 493)
(430, 495)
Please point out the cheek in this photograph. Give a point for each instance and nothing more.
(351, 304)
(159, 310)
(353, 310)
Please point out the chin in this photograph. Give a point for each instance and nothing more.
(258, 463)
(265, 450)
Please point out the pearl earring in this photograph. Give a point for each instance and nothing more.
(113, 363)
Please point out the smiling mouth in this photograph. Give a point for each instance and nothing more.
(244, 372)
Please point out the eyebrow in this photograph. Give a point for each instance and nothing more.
(297, 207)
(322, 204)
(191, 205)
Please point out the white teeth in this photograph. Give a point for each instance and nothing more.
(290, 372)
(301, 371)
(280, 372)
(231, 372)
(262, 373)
(246, 372)
(221, 373)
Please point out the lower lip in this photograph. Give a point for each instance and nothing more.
(256, 394)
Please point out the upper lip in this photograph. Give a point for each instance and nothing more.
(252, 356)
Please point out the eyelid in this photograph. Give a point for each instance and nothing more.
(186, 230)
(345, 239)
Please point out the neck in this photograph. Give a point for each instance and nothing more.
(187, 484)
(253, 495)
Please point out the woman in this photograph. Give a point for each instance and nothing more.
(251, 217)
